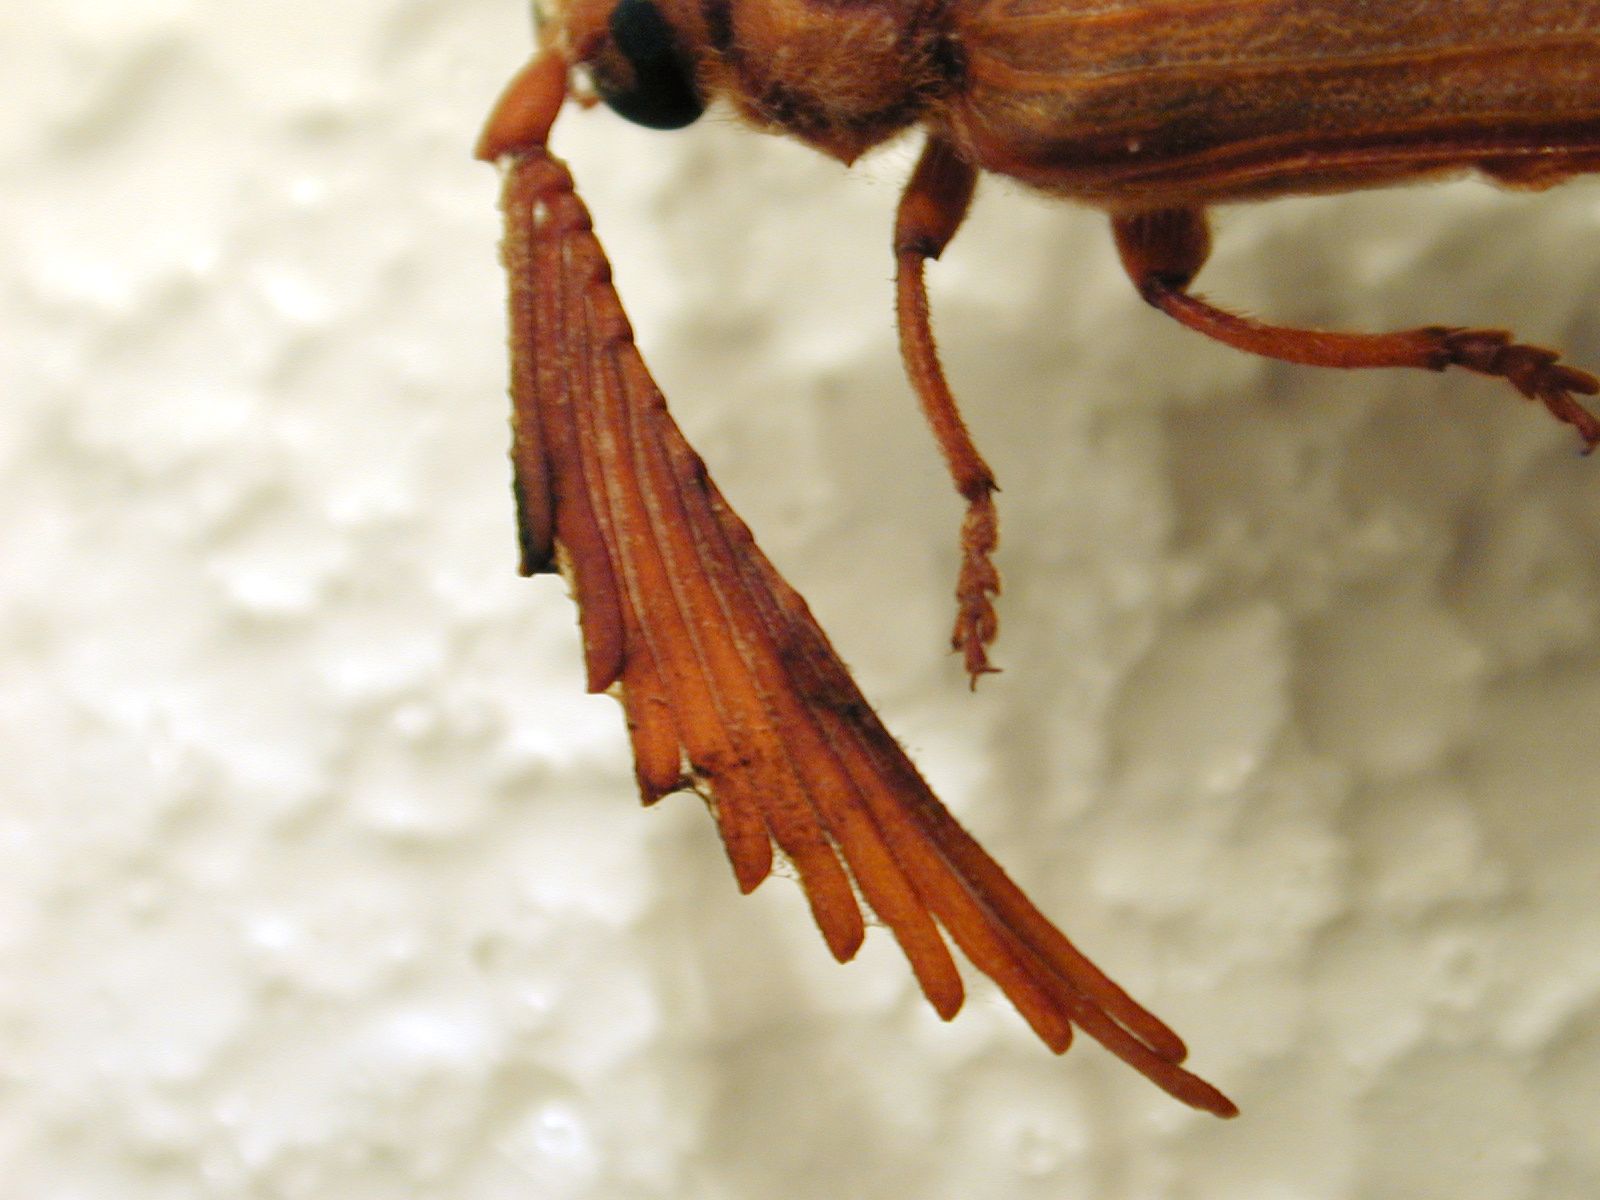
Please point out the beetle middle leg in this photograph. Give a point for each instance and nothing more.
(1163, 250)
(931, 210)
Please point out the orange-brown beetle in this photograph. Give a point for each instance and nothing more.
(1149, 109)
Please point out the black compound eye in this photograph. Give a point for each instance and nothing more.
(656, 88)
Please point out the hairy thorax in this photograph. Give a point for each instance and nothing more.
(842, 75)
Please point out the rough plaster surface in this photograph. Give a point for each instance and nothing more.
(320, 878)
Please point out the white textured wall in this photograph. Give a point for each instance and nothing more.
(320, 878)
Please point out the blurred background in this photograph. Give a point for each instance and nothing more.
(320, 876)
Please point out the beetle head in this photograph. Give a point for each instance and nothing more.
(638, 62)
(840, 76)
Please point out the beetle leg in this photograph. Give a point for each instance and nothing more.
(931, 210)
(1163, 250)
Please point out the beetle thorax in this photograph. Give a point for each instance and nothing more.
(842, 75)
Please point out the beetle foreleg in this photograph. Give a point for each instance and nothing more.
(1162, 251)
(931, 210)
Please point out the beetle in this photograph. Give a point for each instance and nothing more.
(1150, 110)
